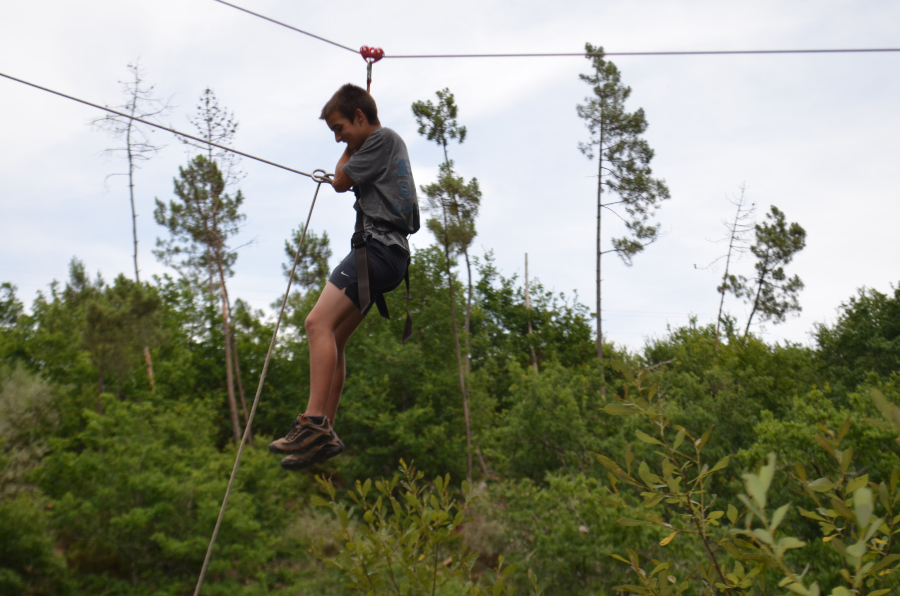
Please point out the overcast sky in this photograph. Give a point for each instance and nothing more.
(816, 135)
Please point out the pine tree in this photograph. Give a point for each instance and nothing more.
(770, 293)
(623, 166)
(200, 222)
(454, 205)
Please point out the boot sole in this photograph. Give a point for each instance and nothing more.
(280, 451)
(319, 456)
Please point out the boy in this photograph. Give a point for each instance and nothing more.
(375, 164)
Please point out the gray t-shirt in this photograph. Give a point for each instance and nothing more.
(384, 187)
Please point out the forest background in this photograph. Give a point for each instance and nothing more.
(112, 474)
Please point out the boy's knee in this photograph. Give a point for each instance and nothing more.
(313, 324)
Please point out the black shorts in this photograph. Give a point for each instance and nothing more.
(387, 266)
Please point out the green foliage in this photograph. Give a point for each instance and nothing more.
(312, 269)
(770, 293)
(200, 222)
(744, 550)
(137, 491)
(865, 338)
(26, 418)
(554, 527)
(408, 540)
(438, 122)
(28, 565)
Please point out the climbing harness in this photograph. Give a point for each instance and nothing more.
(371, 56)
(320, 177)
(361, 255)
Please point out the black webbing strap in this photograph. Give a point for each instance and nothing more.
(358, 242)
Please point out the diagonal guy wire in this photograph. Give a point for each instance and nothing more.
(315, 175)
(262, 378)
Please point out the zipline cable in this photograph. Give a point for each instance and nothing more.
(262, 377)
(661, 53)
(334, 43)
(571, 54)
(323, 177)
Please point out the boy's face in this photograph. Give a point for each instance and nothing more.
(353, 132)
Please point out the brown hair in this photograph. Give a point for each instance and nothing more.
(347, 100)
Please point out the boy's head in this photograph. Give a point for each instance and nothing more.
(351, 114)
(347, 100)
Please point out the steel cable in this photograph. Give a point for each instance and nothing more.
(571, 54)
(334, 43)
(317, 175)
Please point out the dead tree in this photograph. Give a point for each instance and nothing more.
(136, 147)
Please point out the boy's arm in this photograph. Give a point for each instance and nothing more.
(342, 182)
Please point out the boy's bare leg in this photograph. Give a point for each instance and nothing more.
(331, 311)
(342, 335)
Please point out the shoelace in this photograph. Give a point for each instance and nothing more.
(295, 429)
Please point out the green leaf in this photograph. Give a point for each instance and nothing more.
(679, 439)
(885, 562)
(810, 514)
(798, 588)
(732, 514)
(763, 536)
(843, 430)
(841, 591)
(862, 505)
(617, 409)
(767, 472)
(846, 458)
(721, 464)
(779, 515)
(704, 439)
(319, 501)
(626, 521)
(788, 543)
(647, 438)
(715, 515)
(647, 476)
(857, 483)
(821, 485)
(857, 549)
(607, 462)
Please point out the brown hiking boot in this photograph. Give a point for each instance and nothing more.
(303, 435)
(315, 454)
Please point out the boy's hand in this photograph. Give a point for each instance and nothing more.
(342, 182)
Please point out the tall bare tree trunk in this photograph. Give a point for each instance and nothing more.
(148, 360)
(226, 327)
(528, 308)
(599, 255)
(229, 373)
(237, 368)
(733, 237)
(459, 362)
(467, 326)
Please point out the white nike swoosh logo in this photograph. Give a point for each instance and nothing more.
(344, 274)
